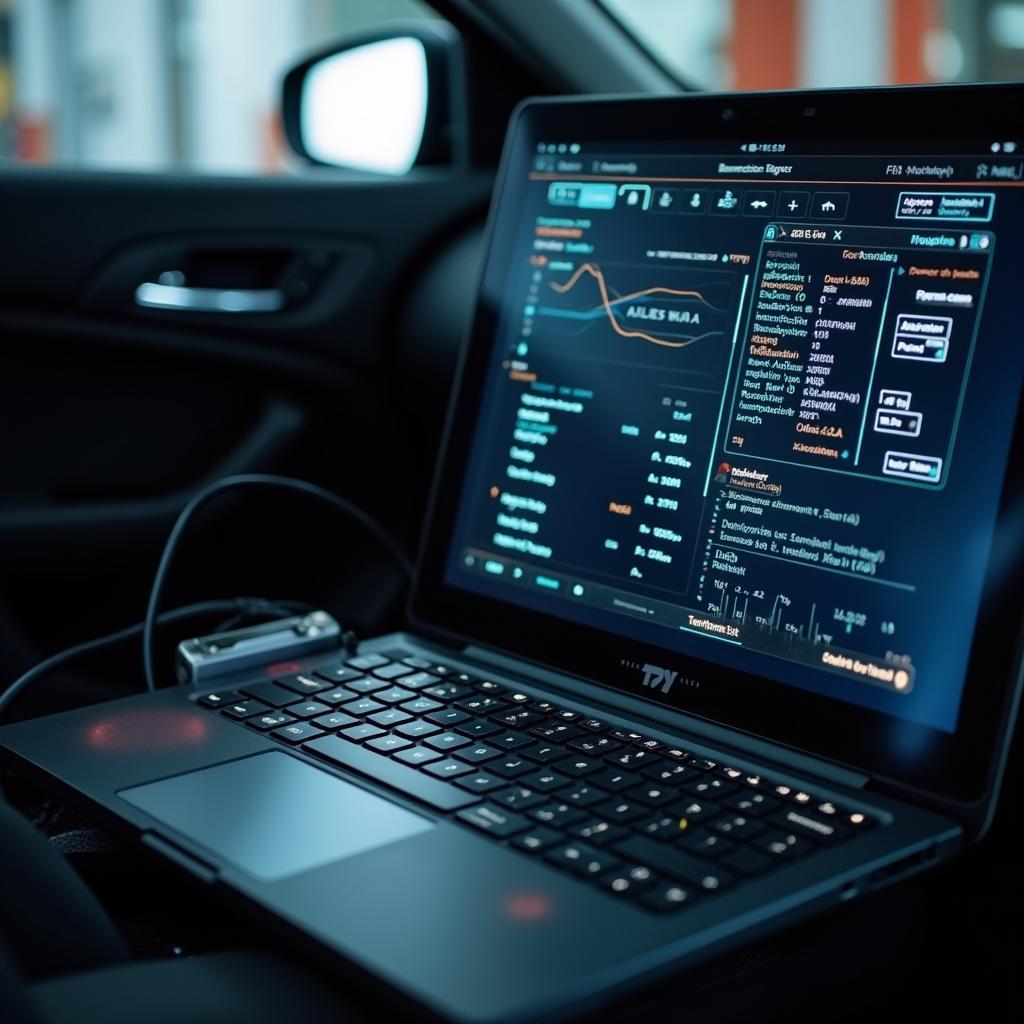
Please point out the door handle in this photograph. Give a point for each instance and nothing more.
(182, 298)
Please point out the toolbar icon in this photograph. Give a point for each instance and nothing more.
(726, 202)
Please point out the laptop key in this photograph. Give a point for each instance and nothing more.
(736, 826)
(447, 691)
(671, 774)
(649, 744)
(544, 781)
(446, 741)
(543, 752)
(582, 795)
(598, 831)
(705, 843)
(478, 754)
(414, 661)
(510, 740)
(537, 838)
(365, 662)
(626, 881)
(481, 704)
(582, 859)
(339, 695)
(393, 671)
(393, 695)
(752, 805)
(390, 772)
(490, 686)
(478, 727)
(593, 725)
(621, 811)
(418, 680)
(596, 746)
(270, 693)
(362, 733)
(675, 754)
(366, 685)
(511, 766)
(557, 815)
(665, 897)
(578, 767)
(243, 709)
(556, 732)
(519, 798)
(362, 707)
(519, 718)
(659, 826)
(420, 706)
(271, 720)
(218, 700)
(307, 709)
(632, 759)
(418, 755)
(338, 673)
(625, 735)
(614, 780)
(545, 707)
(807, 825)
(498, 821)
(297, 732)
(448, 717)
(449, 768)
(783, 845)
(389, 718)
(481, 782)
(303, 683)
(334, 721)
(675, 863)
(653, 795)
(390, 744)
(416, 730)
(693, 811)
(710, 787)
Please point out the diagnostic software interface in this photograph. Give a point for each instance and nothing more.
(753, 402)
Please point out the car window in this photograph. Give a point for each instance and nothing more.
(783, 44)
(162, 84)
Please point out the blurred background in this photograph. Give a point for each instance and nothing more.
(193, 84)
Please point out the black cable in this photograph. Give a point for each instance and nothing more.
(232, 483)
(245, 606)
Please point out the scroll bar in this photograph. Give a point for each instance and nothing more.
(725, 383)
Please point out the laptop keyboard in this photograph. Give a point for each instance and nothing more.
(641, 819)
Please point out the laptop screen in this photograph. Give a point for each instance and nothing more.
(749, 400)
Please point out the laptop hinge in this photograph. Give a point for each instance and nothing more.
(670, 720)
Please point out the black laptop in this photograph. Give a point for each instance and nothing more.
(718, 614)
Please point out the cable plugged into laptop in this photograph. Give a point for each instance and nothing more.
(296, 628)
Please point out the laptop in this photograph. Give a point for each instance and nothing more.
(717, 618)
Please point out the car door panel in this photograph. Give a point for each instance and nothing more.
(117, 412)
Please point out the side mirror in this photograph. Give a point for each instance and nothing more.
(386, 102)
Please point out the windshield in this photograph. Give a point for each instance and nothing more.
(785, 44)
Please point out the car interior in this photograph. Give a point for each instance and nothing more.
(168, 326)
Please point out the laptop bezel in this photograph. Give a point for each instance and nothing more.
(954, 770)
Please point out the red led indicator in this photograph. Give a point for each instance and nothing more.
(132, 731)
(527, 906)
(283, 668)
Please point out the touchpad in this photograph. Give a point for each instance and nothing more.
(273, 815)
